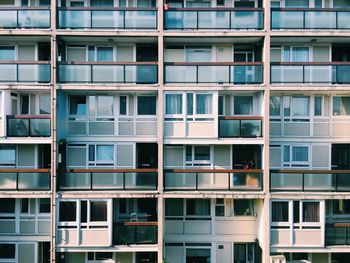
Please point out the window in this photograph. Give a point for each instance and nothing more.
(123, 105)
(296, 106)
(297, 3)
(173, 104)
(220, 207)
(7, 251)
(197, 255)
(243, 105)
(98, 211)
(104, 54)
(295, 54)
(318, 106)
(77, 105)
(67, 211)
(295, 156)
(44, 104)
(146, 105)
(7, 53)
(244, 207)
(24, 99)
(198, 155)
(311, 212)
(96, 256)
(101, 105)
(100, 155)
(198, 207)
(280, 212)
(44, 205)
(221, 106)
(243, 253)
(341, 106)
(341, 207)
(275, 106)
(7, 155)
(200, 104)
(24, 205)
(7, 205)
(173, 207)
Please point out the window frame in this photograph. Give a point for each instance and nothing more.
(247, 245)
(291, 162)
(175, 116)
(137, 106)
(338, 115)
(198, 163)
(100, 163)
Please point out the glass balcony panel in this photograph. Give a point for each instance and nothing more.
(34, 73)
(180, 180)
(250, 128)
(246, 20)
(74, 73)
(343, 182)
(247, 74)
(8, 19)
(336, 236)
(127, 235)
(189, 19)
(344, 20)
(214, 20)
(107, 19)
(8, 181)
(246, 181)
(174, 20)
(213, 181)
(107, 180)
(287, 19)
(320, 20)
(318, 74)
(229, 128)
(33, 181)
(18, 128)
(74, 19)
(180, 74)
(74, 181)
(141, 180)
(286, 182)
(101, 127)
(142, 74)
(40, 127)
(213, 74)
(34, 18)
(318, 182)
(141, 19)
(342, 74)
(286, 74)
(107, 73)
(8, 73)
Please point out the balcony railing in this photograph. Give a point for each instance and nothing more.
(25, 179)
(214, 18)
(25, 17)
(337, 234)
(208, 180)
(240, 127)
(310, 72)
(20, 71)
(108, 179)
(135, 233)
(310, 180)
(107, 18)
(214, 72)
(310, 18)
(108, 72)
(28, 126)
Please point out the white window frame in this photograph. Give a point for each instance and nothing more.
(175, 116)
(332, 107)
(136, 106)
(246, 251)
(112, 260)
(100, 163)
(291, 163)
(233, 105)
(197, 116)
(198, 163)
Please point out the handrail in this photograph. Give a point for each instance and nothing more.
(16, 170)
(311, 63)
(138, 170)
(342, 224)
(109, 63)
(215, 9)
(28, 116)
(24, 62)
(108, 8)
(310, 171)
(25, 8)
(310, 9)
(214, 170)
(241, 117)
(148, 223)
(257, 63)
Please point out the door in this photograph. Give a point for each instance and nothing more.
(147, 155)
(146, 53)
(340, 156)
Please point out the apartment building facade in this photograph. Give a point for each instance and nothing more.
(177, 131)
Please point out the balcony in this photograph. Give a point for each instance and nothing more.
(20, 72)
(208, 179)
(108, 72)
(24, 179)
(135, 233)
(310, 18)
(28, 126)
(310, 180)
(214, 72)
(310, 72)
(338, 234)
(108, 179)
(240, 127)
(25, 18)
(107, 18)
(214, 18)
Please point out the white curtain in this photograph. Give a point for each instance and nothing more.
(300, 154)
(105, 105)
(204, 104)
(311, 212)
(243, 105)
(300, 106)
(104, 153)
(173, 104)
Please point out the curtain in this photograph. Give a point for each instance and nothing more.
(105, 105)
(344, 105)
(101, 3)
(297, 3)
(104, 153)
(173, 104)
(146, 105)
(198, 207)
(300, 106)
(98, 211)
(300, 54)
(44, 104)
(204, 104)
(198, 55)
(311, 212)
(198, 4)
(280, 212)
(299, 154)
(275, 106)
(189, 103)
(243, 105)
(104, 54)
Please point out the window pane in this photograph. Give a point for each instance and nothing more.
(24, 205)
(188, 153)
(104, 255)
(311, 212)
(45, 104)
(243, 207)
(198, 207)
(98, 211)
(286, 153)
(7, 155)
(67, 211)
(189, 103)
(122, 105)
(221, 105)
(77, 105)
(300, 106)
(105, 105)
(240, 253)
(202, 153)
(300, 154)
(7, 53)
(243, 105)
(7, 251)
(25, 104)
(275, 106)
(297, 3)
(341, 207)
(173, 104)
(280, 212)
(341, 105)
(204, 104)
(318, 106)
(104, 153)
(300, 54)
(286, 106)
(91, 153)
(104, 54)
(44, 205)
(296, 211)
(83, 211)
(146, 105)
(197, 255)
(7, 205)
(173, 207)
